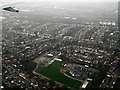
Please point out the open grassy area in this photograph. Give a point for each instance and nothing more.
(53, 72)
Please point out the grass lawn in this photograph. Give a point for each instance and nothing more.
(53, 72)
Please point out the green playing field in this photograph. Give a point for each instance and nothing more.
(53, 72)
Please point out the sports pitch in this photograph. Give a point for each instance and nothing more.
(53, 72)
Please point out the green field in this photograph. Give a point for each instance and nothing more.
(53, 72)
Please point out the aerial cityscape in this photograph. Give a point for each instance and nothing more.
(57, 46)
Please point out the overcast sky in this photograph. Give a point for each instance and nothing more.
(61, 0)
(73, 0)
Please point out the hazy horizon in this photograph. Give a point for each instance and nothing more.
(60, 0)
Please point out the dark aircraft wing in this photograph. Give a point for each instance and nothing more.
(11, 9)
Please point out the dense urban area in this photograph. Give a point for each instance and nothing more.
(61, 46)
